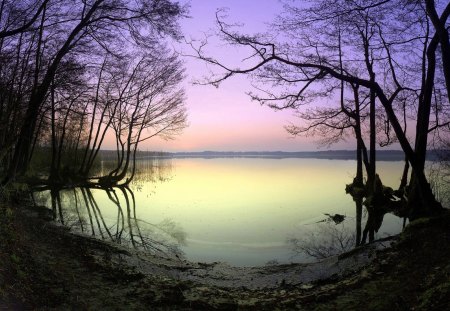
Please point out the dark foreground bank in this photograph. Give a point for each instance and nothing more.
(44, 267)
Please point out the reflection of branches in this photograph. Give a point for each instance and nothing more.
(88, 210)
(98, 212)
(325, 240)
(120, 215)
(130, 227)
(162, 239)
(153, 241)
(75, 195)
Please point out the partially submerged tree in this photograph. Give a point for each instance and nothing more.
(152, 105)
(132, 101)
(385, 49)
(48, 33)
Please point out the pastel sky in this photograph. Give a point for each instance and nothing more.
(224, 118)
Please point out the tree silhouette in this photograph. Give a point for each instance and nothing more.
(86, 32)
(59, 62)
(385, 49)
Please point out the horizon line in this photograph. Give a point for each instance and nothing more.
(268, 151)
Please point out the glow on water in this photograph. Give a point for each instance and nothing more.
(242, 211)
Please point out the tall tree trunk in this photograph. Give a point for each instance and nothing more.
(426, 202)
(53, 172)
(19, 163)
(421, 200)
(440, 25)
(372, 152)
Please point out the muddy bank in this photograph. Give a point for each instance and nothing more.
(266, 277)
(45, 266)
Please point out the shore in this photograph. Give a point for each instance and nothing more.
(44, 266)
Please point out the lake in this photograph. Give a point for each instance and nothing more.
(244, 211)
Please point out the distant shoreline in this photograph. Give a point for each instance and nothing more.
(382, 155)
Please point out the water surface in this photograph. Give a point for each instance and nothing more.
(239, 210)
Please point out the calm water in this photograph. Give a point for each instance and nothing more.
(242, 211)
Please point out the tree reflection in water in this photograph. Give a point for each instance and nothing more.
(326, 238)
(333, 234)
(78, 209)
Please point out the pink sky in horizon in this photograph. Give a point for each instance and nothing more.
(224, 118)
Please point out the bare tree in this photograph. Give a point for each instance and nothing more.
(152, 105)
(133, 100)
(16, 18)
(382, 41)
(87, 31)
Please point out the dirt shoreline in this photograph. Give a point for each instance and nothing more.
(46, 267)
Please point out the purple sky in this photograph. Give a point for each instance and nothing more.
(224, 118)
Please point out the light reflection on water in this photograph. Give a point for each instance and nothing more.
(242, 211)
